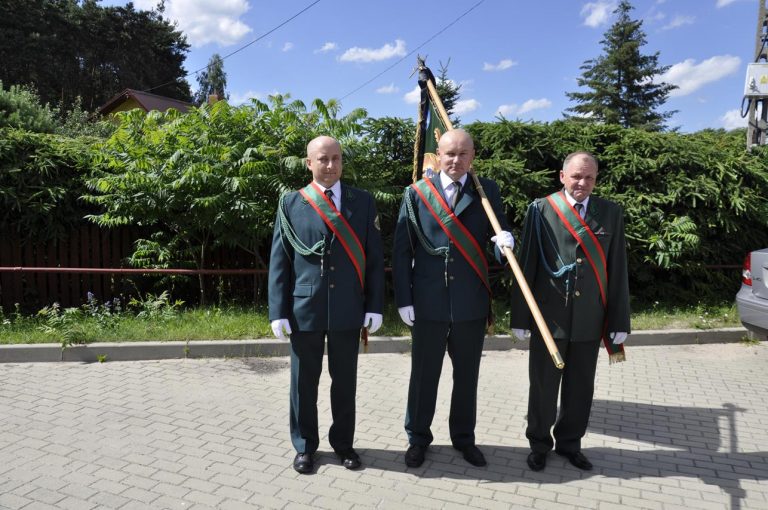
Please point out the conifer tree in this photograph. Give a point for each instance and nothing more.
(621, 83)
(448, 91)
(212, 80)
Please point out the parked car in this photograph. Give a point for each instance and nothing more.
(752, 298)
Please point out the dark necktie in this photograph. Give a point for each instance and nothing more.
(455, 197)
(329, 194)
(579, 206)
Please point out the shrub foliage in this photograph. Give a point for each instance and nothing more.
(212, 178)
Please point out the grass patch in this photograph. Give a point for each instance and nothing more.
(699, 316)
(158, 319)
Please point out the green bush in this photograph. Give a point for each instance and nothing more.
(20, 108)
(690, 200)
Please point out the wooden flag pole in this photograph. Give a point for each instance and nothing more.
(519, 276)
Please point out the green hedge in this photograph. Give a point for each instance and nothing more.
(691, 200)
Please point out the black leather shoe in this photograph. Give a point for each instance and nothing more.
(303, 463)
(536, 461)
(414, 456)
(577, 459)
(472, 454)
(349, 458)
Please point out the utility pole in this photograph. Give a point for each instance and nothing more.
(756, 87)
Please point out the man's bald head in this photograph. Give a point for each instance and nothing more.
(455, 151)
(324, 160)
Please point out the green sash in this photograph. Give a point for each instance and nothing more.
(452, 226)
(338, 225)
(594, 254)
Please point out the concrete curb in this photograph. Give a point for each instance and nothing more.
(134, 351)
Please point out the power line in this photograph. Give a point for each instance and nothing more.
(262, 36)
(446, 27)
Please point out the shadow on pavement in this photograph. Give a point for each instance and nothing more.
(662, 441)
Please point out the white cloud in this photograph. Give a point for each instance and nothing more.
(507, 110)
(679, 21)
(502, 65)
(535, 104)
(388, 89)
(732, 119)
(236, 99)
(387, 51)
(597, 13)
(329, 46)
(414, 96)
(723, 3)
(206, 21)
(463, 106)
(690, 76)
(288, 46)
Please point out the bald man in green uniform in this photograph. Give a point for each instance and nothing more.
(326, 281)
(573, 255)
(440, 272)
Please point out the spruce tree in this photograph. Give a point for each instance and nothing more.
(448, 92)
(621, 81)
(212, 80)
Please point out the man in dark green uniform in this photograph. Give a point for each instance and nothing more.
(326, 281)
(441, 288)
(573, 255)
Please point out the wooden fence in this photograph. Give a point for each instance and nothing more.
(91, 247)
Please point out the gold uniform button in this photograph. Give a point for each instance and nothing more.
(451, 277)
(451, 259)
(579, 260)
(331, 285)
(333, 268)
(577, 293)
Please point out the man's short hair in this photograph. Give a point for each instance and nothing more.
(577, 154)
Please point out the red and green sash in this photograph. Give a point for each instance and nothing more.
(338, 225)
(594, 254)
(454, 228)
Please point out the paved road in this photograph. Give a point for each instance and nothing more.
(675, 427)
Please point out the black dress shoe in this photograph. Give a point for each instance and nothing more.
(472, 454)
(536, 461)
(577, 459)
(303, 463)
(414, 456)
(349, 458)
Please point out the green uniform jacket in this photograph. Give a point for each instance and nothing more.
(420, 278)
(325, 296)
(582, 317)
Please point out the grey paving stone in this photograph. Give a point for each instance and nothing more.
(676, 426)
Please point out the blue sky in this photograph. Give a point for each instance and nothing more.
(513, 57)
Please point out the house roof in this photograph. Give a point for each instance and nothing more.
(143, 100)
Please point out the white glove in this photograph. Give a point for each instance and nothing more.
(618, 338)
(372, 321)
(407, 315)
(502, 239)
(521, 334)
(278, 325)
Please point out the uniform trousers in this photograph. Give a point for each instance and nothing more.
(306, 366)
(575, 383)
(464, 342)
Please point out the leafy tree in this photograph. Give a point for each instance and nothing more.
(448, 91)
(213, 80)
(41, 178)
(71, 48)
(621, 82)
(210, 177)
(75, 121)
(20, 108)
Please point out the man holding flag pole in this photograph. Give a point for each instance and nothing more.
(440, 273)
(574, 251)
